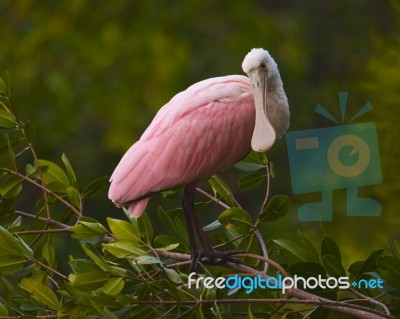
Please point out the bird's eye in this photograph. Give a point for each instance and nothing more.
(263, 65)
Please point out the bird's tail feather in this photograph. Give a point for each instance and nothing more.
(137, 208)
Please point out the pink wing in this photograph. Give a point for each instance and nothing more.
(200, 131)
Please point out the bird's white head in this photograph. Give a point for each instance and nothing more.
(272, 110)
(259, 58)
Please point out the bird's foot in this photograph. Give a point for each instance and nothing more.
(211, 256)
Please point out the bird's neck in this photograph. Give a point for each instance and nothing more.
(277, 106)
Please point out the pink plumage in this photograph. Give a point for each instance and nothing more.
(202, 130)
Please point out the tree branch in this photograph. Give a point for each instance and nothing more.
(214, 199)
(38, 317)
(41, 231)
(351, 309)
(46, 220)
(59, 198)
(302, 296)
(51, 269)
(370, 300)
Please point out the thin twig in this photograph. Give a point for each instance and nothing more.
(48, 221)
(51, 269)
(311, 312)
(321, 302)
(35, 158)
(38, 317)
(262, 246)
(267, 189)
(39, 168)
(183, 314)
(231, 241)
(165, 314)
(302, 296)
(214, 199)
(60, 199)
(371, 300)
(230, 193)
(41, 231)
(267, 260)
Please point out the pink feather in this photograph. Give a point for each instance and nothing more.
(202, 130)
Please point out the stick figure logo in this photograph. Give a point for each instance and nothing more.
(342, 156)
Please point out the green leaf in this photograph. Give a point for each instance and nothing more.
(173, 194)
(251, 180)
(147, 260)
(93, 224)
(29, 131)
(255, 158)
(168, 247)
(87, 229)
(74, 196)
(7, 120)
(173, 276)
(329, 247)
(250, 245)
(387, 288)
(93, 254)
(307, 269)
(113, 286)
(249, 313)
(54, 176)
(122, 249)
(394, 247)
(41, 291)
(164, 240)
(308, 244)
(236, 219)
(10, 264)
(3, 87)
(277, 207)
(30, 170)
(70, 171)
(389, 268)
(355, 268)
(13, 246)
(3, 310)
(249, 167)
(212, 226)
(296, 250)
(94, 187)
(48, 253)
(123, 230)
(145, 227)
(82, 265)
(10, 186)
(369, 264)
(333, 266)
(170, 220)
(221, 188)
(89, 280)
(105, 313)
(11, 155)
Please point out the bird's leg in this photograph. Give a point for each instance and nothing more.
(192, 220)
(188, 212)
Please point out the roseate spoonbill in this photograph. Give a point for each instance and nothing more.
(202, 130)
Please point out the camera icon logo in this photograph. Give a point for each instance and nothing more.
(358, 146)
(337, 157)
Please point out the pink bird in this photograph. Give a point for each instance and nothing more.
(202, 130)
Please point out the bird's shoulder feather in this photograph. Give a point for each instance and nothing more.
(199, 94)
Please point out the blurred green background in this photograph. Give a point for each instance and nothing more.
(91, 75)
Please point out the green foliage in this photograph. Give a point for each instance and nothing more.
(128, 269)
